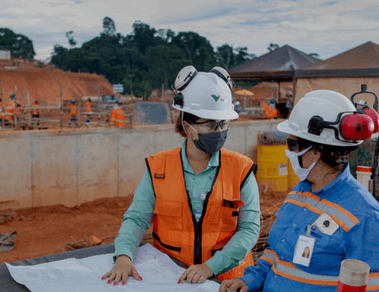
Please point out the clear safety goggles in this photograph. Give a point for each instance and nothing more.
(211, 126)
(186, 75)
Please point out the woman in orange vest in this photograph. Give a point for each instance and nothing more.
(270, 111)
(73, 113)
(117, 116)
(88, 111)
(201, 199)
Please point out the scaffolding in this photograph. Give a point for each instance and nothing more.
(56, 114)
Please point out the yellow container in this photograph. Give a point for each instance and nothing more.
(273, 167)
(293, 179)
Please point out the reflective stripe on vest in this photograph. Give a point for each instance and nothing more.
(289, 271)
(175, 229)
(343, 217)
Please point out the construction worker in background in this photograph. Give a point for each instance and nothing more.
(237, 107)
(202, 199)
(88, 111)
(73, 113)
(117, 115)
(36, 112)
(270, 111)
(328, 211)
(11, 109)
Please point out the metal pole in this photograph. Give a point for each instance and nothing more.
(131, 87)
(2, 106)
(79, 114)
(61, 106)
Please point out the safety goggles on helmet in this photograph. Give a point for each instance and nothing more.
(211, 126)
(186, 75)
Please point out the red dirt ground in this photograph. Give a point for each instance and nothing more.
(46, 230)
(44, 84)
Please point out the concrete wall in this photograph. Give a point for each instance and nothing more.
(70, 167)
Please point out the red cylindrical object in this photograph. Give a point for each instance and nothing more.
(353, 276)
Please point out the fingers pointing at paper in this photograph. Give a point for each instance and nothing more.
(122, 269)
(196, 274)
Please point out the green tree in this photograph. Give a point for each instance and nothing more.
(164, 62)
(109, 26)
(225, 56)
(315, 55)
(71, 40)
(198, 49)
(19, 45)
(273, 47)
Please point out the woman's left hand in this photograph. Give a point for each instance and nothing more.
(196, 274)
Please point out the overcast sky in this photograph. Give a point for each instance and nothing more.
(326, 27)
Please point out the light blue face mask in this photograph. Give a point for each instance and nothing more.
(302, 173)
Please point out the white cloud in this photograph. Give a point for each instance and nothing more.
(326, 27)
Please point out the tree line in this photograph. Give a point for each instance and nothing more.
(145, 58)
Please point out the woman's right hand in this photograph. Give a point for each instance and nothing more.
(122, 269)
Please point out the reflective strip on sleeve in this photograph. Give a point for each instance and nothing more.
(343, 217)
(120, 121)
(268, 256)
(373, 282)
(289, 271)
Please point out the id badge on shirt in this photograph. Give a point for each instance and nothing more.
(304, 249)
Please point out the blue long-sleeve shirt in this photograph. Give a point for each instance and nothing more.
(140, 214)
(356, 212)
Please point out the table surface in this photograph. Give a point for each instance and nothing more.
(7, 284)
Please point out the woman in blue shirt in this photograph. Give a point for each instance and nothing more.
(328, 211)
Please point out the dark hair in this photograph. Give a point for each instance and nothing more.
(335, 156)
(178, 123)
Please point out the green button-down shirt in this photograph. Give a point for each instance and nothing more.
(139, 217)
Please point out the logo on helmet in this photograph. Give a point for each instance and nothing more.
(216, 97)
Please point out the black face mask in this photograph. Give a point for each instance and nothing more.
(212, 142)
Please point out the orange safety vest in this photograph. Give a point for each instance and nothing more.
(88, 107)
(118, 117)
(175, 229)
(36, 109)
(11, 109)
(73, 110)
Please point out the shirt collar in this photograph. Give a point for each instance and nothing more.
(213, 162)
(306, 187)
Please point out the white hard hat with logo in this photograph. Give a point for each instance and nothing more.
(206, 95)
(328, 117)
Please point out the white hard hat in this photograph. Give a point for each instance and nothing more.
(322, 116)
(237, 103)
(206, 95)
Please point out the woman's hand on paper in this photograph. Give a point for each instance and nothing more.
(122, 269)
(196, 274)
(233, 285)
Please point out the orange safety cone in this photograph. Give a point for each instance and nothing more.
(353, 276)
